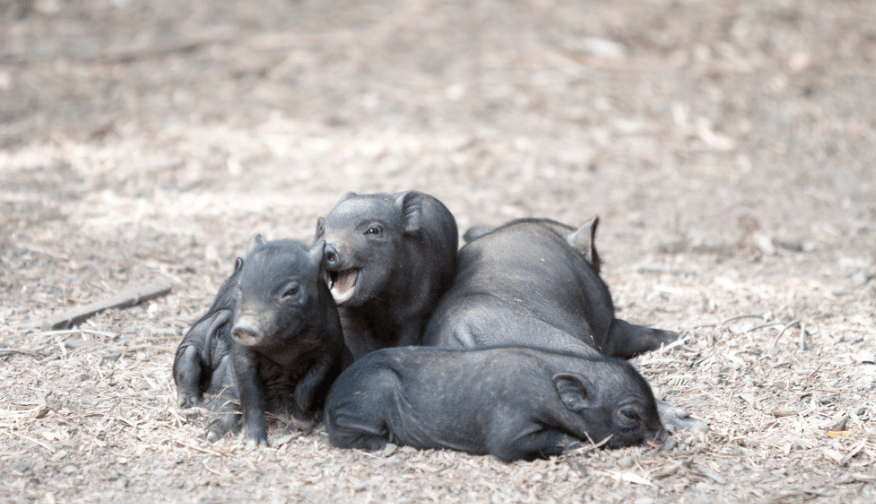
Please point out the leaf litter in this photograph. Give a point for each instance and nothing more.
(727, 148)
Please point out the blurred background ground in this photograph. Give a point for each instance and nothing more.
(727, 146)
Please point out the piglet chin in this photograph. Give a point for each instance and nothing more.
(343, 286)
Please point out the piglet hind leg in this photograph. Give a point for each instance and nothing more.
(357, 407)
(225, 402)
(191, 366)
(226, 419)
(348, 432)
(187, 374)
(627, 340)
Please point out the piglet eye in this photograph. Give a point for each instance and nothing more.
(630, 413)
(291, 291)
(373, 230)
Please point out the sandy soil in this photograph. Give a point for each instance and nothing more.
(727, 146)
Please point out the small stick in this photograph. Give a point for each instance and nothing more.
(203, 450)
(803, 337)
(363, 452)
(75, 331)
(579, 466)
(776, 339)
(136, 348)
(818, 368)
(702, 326)
(32, 440)
(217, 473)
(593, 444)
(8, 351)
(755, 328)
(731, 319)
(601, 443)
(124, 300)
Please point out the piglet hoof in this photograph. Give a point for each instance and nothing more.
(304, 425)
(676, 419)
(192, 412)
(187, 401)
(216, 430)
(212, 435)
(253, 443)
(669, 443)
(692, 423)
(665, 337)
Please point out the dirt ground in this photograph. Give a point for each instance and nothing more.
(727, 146)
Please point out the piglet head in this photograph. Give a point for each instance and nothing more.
(611, 401)
(365, 239)
(276, 293)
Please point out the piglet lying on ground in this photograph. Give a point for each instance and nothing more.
(514, 403)
(536, 283)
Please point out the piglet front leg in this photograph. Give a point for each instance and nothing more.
(252, 397)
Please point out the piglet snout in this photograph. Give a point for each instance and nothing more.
(245, 335)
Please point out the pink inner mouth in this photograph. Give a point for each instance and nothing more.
(343, 284)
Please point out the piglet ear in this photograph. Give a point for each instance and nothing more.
(576, 391)
(254, 241)
(317, 254)
(320, 227)
(238, 263)
(583, 240)
(349, 195)
(410, 204)
(476, 232)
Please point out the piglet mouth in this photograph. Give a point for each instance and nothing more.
(342, 284)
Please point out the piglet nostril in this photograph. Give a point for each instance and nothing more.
(245, 335)
(331, 256)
